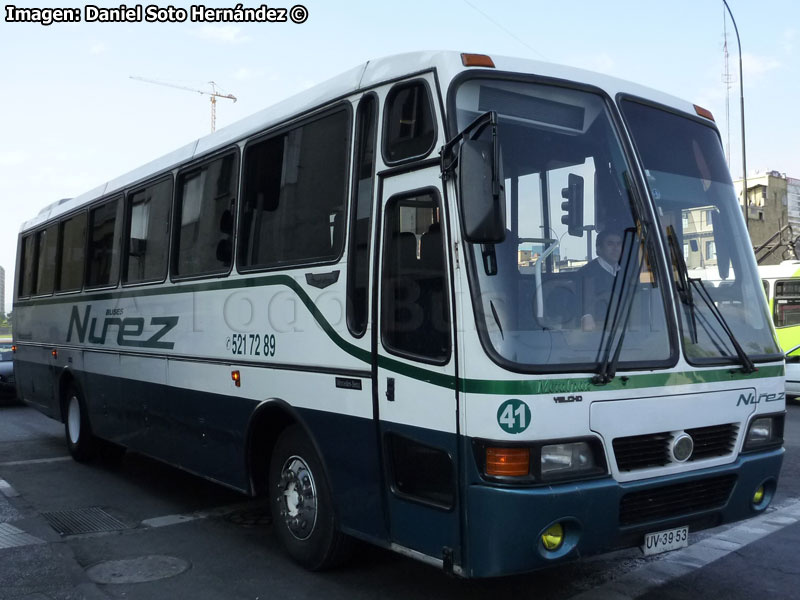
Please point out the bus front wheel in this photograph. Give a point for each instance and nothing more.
(301, 504)
(81, 442)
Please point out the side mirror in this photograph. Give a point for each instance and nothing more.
(480, 185)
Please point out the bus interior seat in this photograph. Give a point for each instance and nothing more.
(561, 301)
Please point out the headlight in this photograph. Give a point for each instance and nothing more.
(563, 459)
(764, 432)
(532, 463)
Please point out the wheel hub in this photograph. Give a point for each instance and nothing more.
(74, 420)
(297, 497)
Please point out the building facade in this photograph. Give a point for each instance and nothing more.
(773, 214)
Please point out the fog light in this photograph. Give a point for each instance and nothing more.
(553, 537)
(758, 497)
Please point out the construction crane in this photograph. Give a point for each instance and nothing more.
(214, 94)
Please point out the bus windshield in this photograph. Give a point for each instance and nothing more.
(697, 206)
(543, 296)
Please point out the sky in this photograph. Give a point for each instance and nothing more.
(71, 118)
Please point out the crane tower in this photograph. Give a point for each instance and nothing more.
(213, 94)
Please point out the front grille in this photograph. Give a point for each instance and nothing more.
(642, 451)
(717, 440)
(675, 500)
(653, 450)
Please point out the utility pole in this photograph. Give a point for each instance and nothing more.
(214, 94)
(741, 102)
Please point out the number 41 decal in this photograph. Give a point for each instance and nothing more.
(513, 416)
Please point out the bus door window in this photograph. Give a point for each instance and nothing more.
(409, 131)
(414, 311)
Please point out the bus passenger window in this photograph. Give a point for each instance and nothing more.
(147, 240)
(414, 310)
(47, 241)
(28, 264)
(72, 253)
(409, 128)
(295, 185)
(105, 231)
(203, 217)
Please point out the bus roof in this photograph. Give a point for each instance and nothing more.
(447, 65)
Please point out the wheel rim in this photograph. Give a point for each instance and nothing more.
(298, 498)
(74, 420)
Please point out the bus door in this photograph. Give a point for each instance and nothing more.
(416, 368)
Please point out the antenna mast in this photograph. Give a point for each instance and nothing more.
(727, 79)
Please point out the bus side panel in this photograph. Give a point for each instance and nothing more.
(348, 447)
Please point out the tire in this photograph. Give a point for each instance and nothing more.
(81, 442)
(301, 505)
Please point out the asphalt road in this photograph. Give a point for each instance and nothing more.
(143, 530)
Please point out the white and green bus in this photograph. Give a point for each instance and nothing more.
(380, 305)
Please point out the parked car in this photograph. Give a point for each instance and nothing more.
(793, 374)
(8, 386)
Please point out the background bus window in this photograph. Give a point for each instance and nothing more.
(105, 231)
(147, 242)
(787, 303)
(72, 253)
(409, 126)
(414, 312)
(204, 219)
(47, 242)
(295, 187)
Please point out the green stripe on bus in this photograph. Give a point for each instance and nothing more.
(530, 385)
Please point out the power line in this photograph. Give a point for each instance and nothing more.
(511, 33)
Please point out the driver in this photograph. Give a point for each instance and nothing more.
(598, 278)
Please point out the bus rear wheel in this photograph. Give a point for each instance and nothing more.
(81, 442)
(301, 504)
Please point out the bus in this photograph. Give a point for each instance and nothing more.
(381, 306)
(782, 287)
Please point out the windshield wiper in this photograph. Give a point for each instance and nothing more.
(615, 325)
(747, 363)
(682, 281)
(685, 286)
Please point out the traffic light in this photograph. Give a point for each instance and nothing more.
(573, 205)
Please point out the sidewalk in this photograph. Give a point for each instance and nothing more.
(750, 559)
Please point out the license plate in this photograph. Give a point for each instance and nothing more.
(664, 541)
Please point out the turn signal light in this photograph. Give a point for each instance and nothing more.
(54, 353)
(236, 377)
(703, 112)
(477, 60)
(14, 348)
(508, 462)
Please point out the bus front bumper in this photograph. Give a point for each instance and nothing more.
(505, 525)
